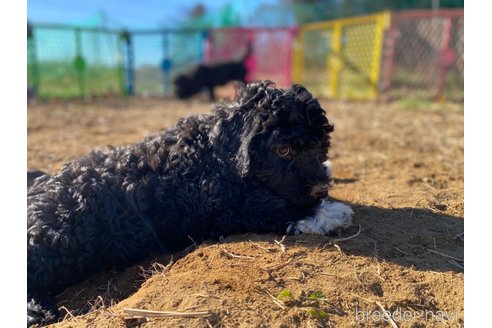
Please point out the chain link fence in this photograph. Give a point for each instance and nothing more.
(413, 54)
(159, 56)
(341, 58)
(71, 62)
(271, 51)
(74, 62)
(424, 56)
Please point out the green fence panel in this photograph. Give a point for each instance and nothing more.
(66, 62)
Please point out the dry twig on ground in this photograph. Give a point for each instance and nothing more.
(165, 314)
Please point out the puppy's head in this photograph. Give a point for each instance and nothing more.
(282, 140)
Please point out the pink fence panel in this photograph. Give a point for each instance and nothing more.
(271, 51)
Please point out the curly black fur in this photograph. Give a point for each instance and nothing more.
(252, 166)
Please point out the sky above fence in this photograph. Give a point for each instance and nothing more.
(56, 45)
(139, 14)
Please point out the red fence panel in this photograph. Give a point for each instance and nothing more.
(424, 55)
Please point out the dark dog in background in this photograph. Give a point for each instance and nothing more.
(209, 76)
(255, 165)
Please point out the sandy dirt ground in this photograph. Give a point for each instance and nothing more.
(401, 169)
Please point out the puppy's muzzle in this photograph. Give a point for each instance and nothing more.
(319, 191)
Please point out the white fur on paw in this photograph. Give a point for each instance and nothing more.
(328, 217)
(329, 167)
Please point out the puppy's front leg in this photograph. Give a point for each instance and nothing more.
(327, 217)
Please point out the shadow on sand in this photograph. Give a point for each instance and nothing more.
(411, 237)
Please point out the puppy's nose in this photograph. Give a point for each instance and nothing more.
(320, 190)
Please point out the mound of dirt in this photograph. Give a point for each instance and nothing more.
(402, 172)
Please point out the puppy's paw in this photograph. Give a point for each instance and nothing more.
(328, 217)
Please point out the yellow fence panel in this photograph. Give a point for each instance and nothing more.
(341, 58)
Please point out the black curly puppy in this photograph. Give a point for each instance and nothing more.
(255, 165)
(209, 76)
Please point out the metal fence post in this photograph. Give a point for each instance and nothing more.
(121, 65)
(298, 60)
(203, 41)
(33, 69)
(382, 24)
(79, 62)
(129, 63)
(166, 63)
(445, 58)
(334, 60)
(388, 56)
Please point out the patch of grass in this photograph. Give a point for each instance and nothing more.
(310, 302)
(416, 103)
(61, 80)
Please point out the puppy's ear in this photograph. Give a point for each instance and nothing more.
(243, 156)
(231, 137)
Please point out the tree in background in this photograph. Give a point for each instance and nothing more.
(295, 12)
(198, 17)
(306, 11)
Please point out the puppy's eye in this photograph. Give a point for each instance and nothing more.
(283, 151)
